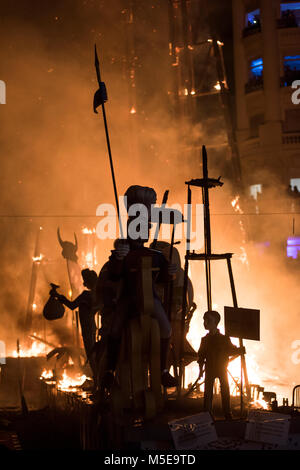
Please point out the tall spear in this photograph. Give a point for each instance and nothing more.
(100, 98)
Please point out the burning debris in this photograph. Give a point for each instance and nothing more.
(37, 349)
(46, 374)
(71, 384)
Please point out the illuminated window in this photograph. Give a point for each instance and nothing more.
(295, 182)
(255, 189)
(293, 246)
(291, 13)
(253, 18)
(256, 67)
(291, 62)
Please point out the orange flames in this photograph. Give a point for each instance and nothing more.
(35, 350)
(70, 384)
(235, 204)
(88, 231)
(37, 259)
(46, 374)
(89, 256)
(260, 404)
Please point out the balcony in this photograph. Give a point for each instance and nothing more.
(252, 28)
(254, 84)
(293, 138)
(289, 77)
(287, 23)
(289, 19)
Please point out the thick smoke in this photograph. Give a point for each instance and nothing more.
(55, 169)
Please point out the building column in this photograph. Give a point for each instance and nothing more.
(240, 70)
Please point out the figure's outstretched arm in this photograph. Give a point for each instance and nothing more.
(68, 303)
(235, 350)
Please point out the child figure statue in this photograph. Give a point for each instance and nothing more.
(215, 350)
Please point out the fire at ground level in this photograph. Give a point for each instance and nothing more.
(62, 412)
(59, 384)
(64, 415)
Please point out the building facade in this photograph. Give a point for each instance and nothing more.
(267, 65)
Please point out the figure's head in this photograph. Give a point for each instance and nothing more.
(89, 278)
(211, 319)
(139, 203)
(141, 195)
(69, 249)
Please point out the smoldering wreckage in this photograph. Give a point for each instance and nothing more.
(126, 388)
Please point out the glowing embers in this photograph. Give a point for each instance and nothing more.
(293, 246)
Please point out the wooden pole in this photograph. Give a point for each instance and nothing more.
(184, 293)
(243, 361)
(34, 274)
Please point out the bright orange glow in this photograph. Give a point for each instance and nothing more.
(235, 204)
(255, 375)
(46, 374)
(36, 349)
(88, 231)
(68, 383)
(260, 404)
(37, 259)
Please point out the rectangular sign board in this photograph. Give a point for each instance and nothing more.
(193, 432)
(242, 323)
(269, 428)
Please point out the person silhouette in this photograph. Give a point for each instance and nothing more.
(85, 302)
(215, 350)
(122, 267)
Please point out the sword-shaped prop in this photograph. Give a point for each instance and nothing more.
(100, 98)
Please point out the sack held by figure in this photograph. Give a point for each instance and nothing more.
(53, 309)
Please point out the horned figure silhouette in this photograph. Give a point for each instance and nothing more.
(69, 249)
